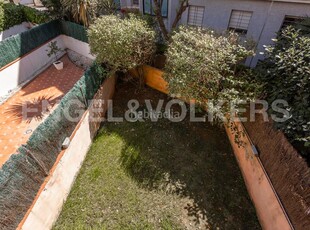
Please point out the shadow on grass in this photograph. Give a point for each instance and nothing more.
(193, 160)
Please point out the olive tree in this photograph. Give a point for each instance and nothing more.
(203, 66)
(122, 44)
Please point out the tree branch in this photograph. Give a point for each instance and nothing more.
(157, 10)
(183, 6)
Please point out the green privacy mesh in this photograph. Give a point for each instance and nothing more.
(22, 175)
(20, 44)
(74, 30)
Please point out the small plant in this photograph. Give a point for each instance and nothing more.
(53, 50)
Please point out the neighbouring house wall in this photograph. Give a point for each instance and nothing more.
(266, 20)
(14, 30)
(126, 3)
(25, 2)
(35, 62)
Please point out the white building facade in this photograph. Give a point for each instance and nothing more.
(258, 20)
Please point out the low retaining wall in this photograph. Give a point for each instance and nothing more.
(53, 193)
(288, 171)
(269, 209)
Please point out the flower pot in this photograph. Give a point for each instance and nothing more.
(59, 65)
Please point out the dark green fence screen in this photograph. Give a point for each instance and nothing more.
(21, 44)
(74, 30)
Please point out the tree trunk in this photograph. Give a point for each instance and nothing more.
(160, 20)
(158, 3)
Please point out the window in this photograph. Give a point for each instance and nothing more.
(148, 7)
(195, 15)
(239, 21)
(135, 2)
(290, 20)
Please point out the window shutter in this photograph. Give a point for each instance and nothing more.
(240, 20)
(195, 15)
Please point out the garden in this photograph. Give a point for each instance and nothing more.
(220, 78)
(158, 175)
(164, 173)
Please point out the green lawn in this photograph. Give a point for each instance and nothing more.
(160, 175)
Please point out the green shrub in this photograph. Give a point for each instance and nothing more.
(11, 15)
(34, 16)
(286, 72)
(122, 43)
(202, 65)
(1, 14)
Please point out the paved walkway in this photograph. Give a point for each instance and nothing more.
(51, 85)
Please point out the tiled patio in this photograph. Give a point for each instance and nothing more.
(51, 85)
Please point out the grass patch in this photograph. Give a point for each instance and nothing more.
(161, 175)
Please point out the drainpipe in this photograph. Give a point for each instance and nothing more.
(265, 23)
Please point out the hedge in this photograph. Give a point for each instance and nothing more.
(12, 14)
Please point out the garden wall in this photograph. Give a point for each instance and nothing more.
(288, 171)
(269, 209)
(57, 186)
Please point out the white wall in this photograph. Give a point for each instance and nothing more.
(14, 30)
(77, 46)
(46, 209)
(49, 204)
(25, 2)
(35, 62)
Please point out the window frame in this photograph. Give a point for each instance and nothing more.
(203, 15)
(239, 30)
(151, 8)
(298, 18)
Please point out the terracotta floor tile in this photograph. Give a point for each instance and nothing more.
(51, 85)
